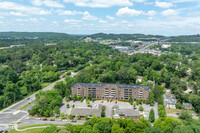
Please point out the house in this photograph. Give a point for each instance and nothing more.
(125, 113)
(83, 111)
(139, 79)
(165, 46)
(187, 106)
(169, 101)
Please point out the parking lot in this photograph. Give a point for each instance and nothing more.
(109, 105)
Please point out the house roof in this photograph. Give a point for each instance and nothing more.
(127, 86)
(187, 104)
(128, 112)
(86, 111)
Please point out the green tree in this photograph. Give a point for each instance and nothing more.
(78, 117)
(89, 96)
(70, 116)
(116, 129)
(57, 110)
(51, 129)
(185, 115)
(102, 113)
(62, 115)
(141, 108)
(152, 130)
(102, 127)
(68, 106)
(134, 105)
(151, 115)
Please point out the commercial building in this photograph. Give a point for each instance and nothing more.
(83, 111)
(111, 91)
(125, 113)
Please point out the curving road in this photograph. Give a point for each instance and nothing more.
(12, 113)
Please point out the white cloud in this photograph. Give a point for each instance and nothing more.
(1, 22)
(72, 21)
(182, 1)
(18, 14)
(109, 17)
(169, 12)
(31, 20)
(163, 4)
(24, 9)
(69, 12)
(88, 16)
(139, 1)
(48, 3)
(1, 17)
(102, 21)
(124, 12)
(151, 13)
(100, 3)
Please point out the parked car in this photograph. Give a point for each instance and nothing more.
(44, 119)
(73, 121)
(28, 98)
(1, 131)
(101, 101)
(52, 119)
(64, 120)
(38, 118)
(116, 102)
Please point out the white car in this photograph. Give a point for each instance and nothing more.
(38, 118)
(64, 120)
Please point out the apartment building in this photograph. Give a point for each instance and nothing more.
(111, 91)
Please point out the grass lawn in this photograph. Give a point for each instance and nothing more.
(25, 106)
(45, 84)
(174, 111)
(174, 118)
(36, 130)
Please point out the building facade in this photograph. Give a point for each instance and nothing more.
(111, 91)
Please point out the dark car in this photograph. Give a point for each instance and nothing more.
(73, 120)
(44, 119)
(52, 119)
(1, 131)
(177, 113)
(28, 98)
(116, 102)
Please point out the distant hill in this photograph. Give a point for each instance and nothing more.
(124, 37)
(185, 38)
(36, 35)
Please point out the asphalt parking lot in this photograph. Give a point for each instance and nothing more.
(109, 105)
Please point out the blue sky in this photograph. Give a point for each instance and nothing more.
(163, 17)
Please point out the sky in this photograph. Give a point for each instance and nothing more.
(157, 17)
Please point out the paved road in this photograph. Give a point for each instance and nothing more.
(33, 121)
(12, 113)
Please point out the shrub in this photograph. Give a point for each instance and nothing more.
(141, 108)
(68, 106)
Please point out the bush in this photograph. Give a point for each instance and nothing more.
(69, 73)
(141, 108)
(73, 105)
(103, 114)
(88, 101)
(78, 117)
(68, 106)
(185, 115)
(86, 117)
(70, 116)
